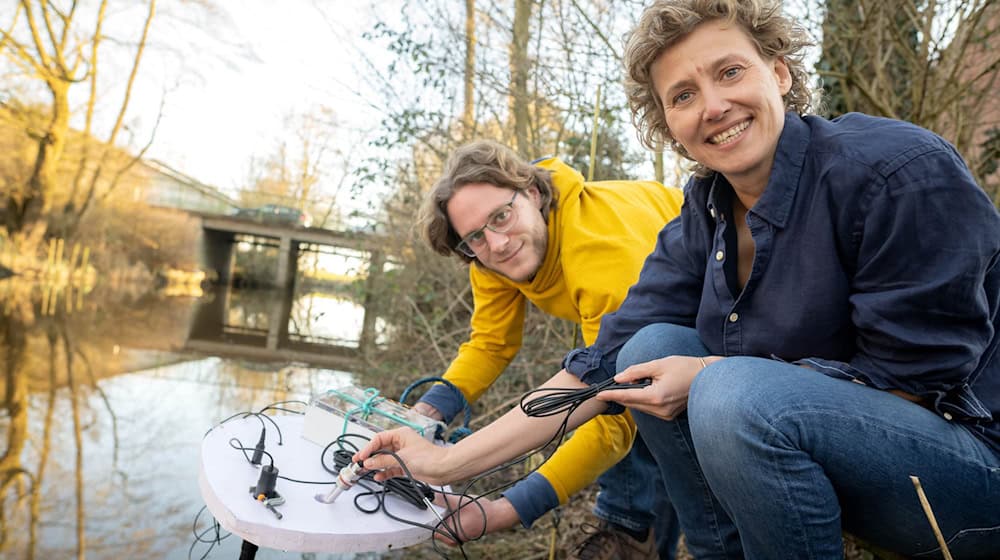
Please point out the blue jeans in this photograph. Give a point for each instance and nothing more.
(772, 460)
(632, 496)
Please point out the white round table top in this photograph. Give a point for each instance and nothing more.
(307, 525)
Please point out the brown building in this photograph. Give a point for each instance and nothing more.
(976, 130)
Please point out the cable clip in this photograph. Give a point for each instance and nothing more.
(272, 503)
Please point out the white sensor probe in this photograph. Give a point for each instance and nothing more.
(347, 477)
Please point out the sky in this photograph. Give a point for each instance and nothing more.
(229, 91)
(225, 75)
(228, 77)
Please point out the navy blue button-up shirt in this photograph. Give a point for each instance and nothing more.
(877, 258)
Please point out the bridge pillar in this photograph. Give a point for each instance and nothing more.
(210, 315)
(277, 328)
(376, 262)
(218, 253)
(288, 257)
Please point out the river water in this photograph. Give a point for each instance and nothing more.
(106, 399)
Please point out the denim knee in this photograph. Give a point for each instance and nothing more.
(657, 341)
(725, 404)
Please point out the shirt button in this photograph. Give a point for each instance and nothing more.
(947, 416)
(720, 255)
(733, 317)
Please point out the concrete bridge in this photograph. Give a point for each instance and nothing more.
(223, 231)
(221, 234)
(170, 188)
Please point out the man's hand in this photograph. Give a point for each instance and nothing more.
(428, 411)
(472, 519)
(667, 395)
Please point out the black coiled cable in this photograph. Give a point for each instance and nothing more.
(563, 400)
(413, 492)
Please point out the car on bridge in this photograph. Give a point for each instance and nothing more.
(276, 214)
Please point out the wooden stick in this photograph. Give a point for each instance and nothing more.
(593, 136)
(930, 517)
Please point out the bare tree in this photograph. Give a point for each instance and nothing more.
(305, 172)
(60, 48)
(935, 64)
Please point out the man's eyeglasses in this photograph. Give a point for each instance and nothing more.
(500, 221)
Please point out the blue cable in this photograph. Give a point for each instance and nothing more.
(459, 432)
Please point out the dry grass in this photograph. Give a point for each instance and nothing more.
(535, 543)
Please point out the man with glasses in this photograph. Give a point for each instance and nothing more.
(538, 232)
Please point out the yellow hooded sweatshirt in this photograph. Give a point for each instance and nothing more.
(599, 236)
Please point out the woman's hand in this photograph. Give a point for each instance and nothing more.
(667, 395)
(426, 462)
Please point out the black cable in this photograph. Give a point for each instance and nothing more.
(409, 490)
(242, 415)
(260, 416)
(417, 493)
(274, 406)
(199, 537)
(406, 488)
(558, 400)
(271, 420)
(439, 528)
(565, 400)
(412, 491)
(554, 401)
(238, 445)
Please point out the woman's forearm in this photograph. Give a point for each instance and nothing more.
(515, 433)
(510, 436)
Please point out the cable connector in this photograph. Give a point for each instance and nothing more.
(347, 477)
(258, 450)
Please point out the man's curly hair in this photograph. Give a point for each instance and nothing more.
(480, 161)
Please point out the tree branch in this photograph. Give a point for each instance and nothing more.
(67, 21)
(131, 77)
(45, 67)
(91, 102)
(598, 32)
(47, 19)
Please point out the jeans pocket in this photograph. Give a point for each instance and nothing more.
(977, 543)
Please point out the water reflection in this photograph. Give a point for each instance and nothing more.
(266, 325)
(330, 319)
(104, 409)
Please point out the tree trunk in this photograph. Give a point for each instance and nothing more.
(468, 112)
(38, 200)
(519, 76)
(658, 165)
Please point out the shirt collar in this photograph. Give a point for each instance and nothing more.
(715, 191)
(776, 202)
